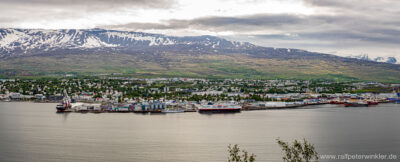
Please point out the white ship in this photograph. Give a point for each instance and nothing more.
(220, 107)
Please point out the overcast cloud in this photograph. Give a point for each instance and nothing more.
(341, 27)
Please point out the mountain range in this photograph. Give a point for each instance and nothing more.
(386, 59)
(17, 42)
(38, 52)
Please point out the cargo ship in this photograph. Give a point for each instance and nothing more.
(220, 108)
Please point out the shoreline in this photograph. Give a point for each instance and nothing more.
(244, 108)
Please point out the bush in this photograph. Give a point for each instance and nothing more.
(298, 152)
(235, 156)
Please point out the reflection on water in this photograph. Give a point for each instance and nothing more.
(34, 132)
(63, 114)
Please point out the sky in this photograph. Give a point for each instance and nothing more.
(340, 27)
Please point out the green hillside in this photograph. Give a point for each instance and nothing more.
(201, 65)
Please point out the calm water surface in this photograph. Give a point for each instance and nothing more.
(34, 132)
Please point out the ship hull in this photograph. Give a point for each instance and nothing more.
(60, 108)
(336, 102)
(219, 110)
(155, 111)
(355, 105)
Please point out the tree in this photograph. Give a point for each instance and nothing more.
(298, 152)
(235, 156)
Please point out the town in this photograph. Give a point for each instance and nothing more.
(187, 94)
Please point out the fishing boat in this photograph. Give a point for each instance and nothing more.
(60, 108)
(64, 105)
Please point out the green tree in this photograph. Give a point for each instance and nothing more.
(298, 152)
(236, 156)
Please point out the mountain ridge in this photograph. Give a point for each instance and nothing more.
(23, 41)
(88, 51)
(385, 59)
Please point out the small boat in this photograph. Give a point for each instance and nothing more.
(60, 108)
(172, 111)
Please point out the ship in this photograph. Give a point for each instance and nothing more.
(60, 108)
(337, 101)
(372, 102)
(220, 108)
(356, 104)
(64, 105)
(396, 98)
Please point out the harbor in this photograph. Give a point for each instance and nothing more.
(179, 95)
(209, 107)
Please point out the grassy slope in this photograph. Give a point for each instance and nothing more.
(210, 65)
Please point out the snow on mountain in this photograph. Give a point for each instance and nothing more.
(386, 59)
(392, 60)
(28, 41)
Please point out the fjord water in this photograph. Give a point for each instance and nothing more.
(34, 132)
